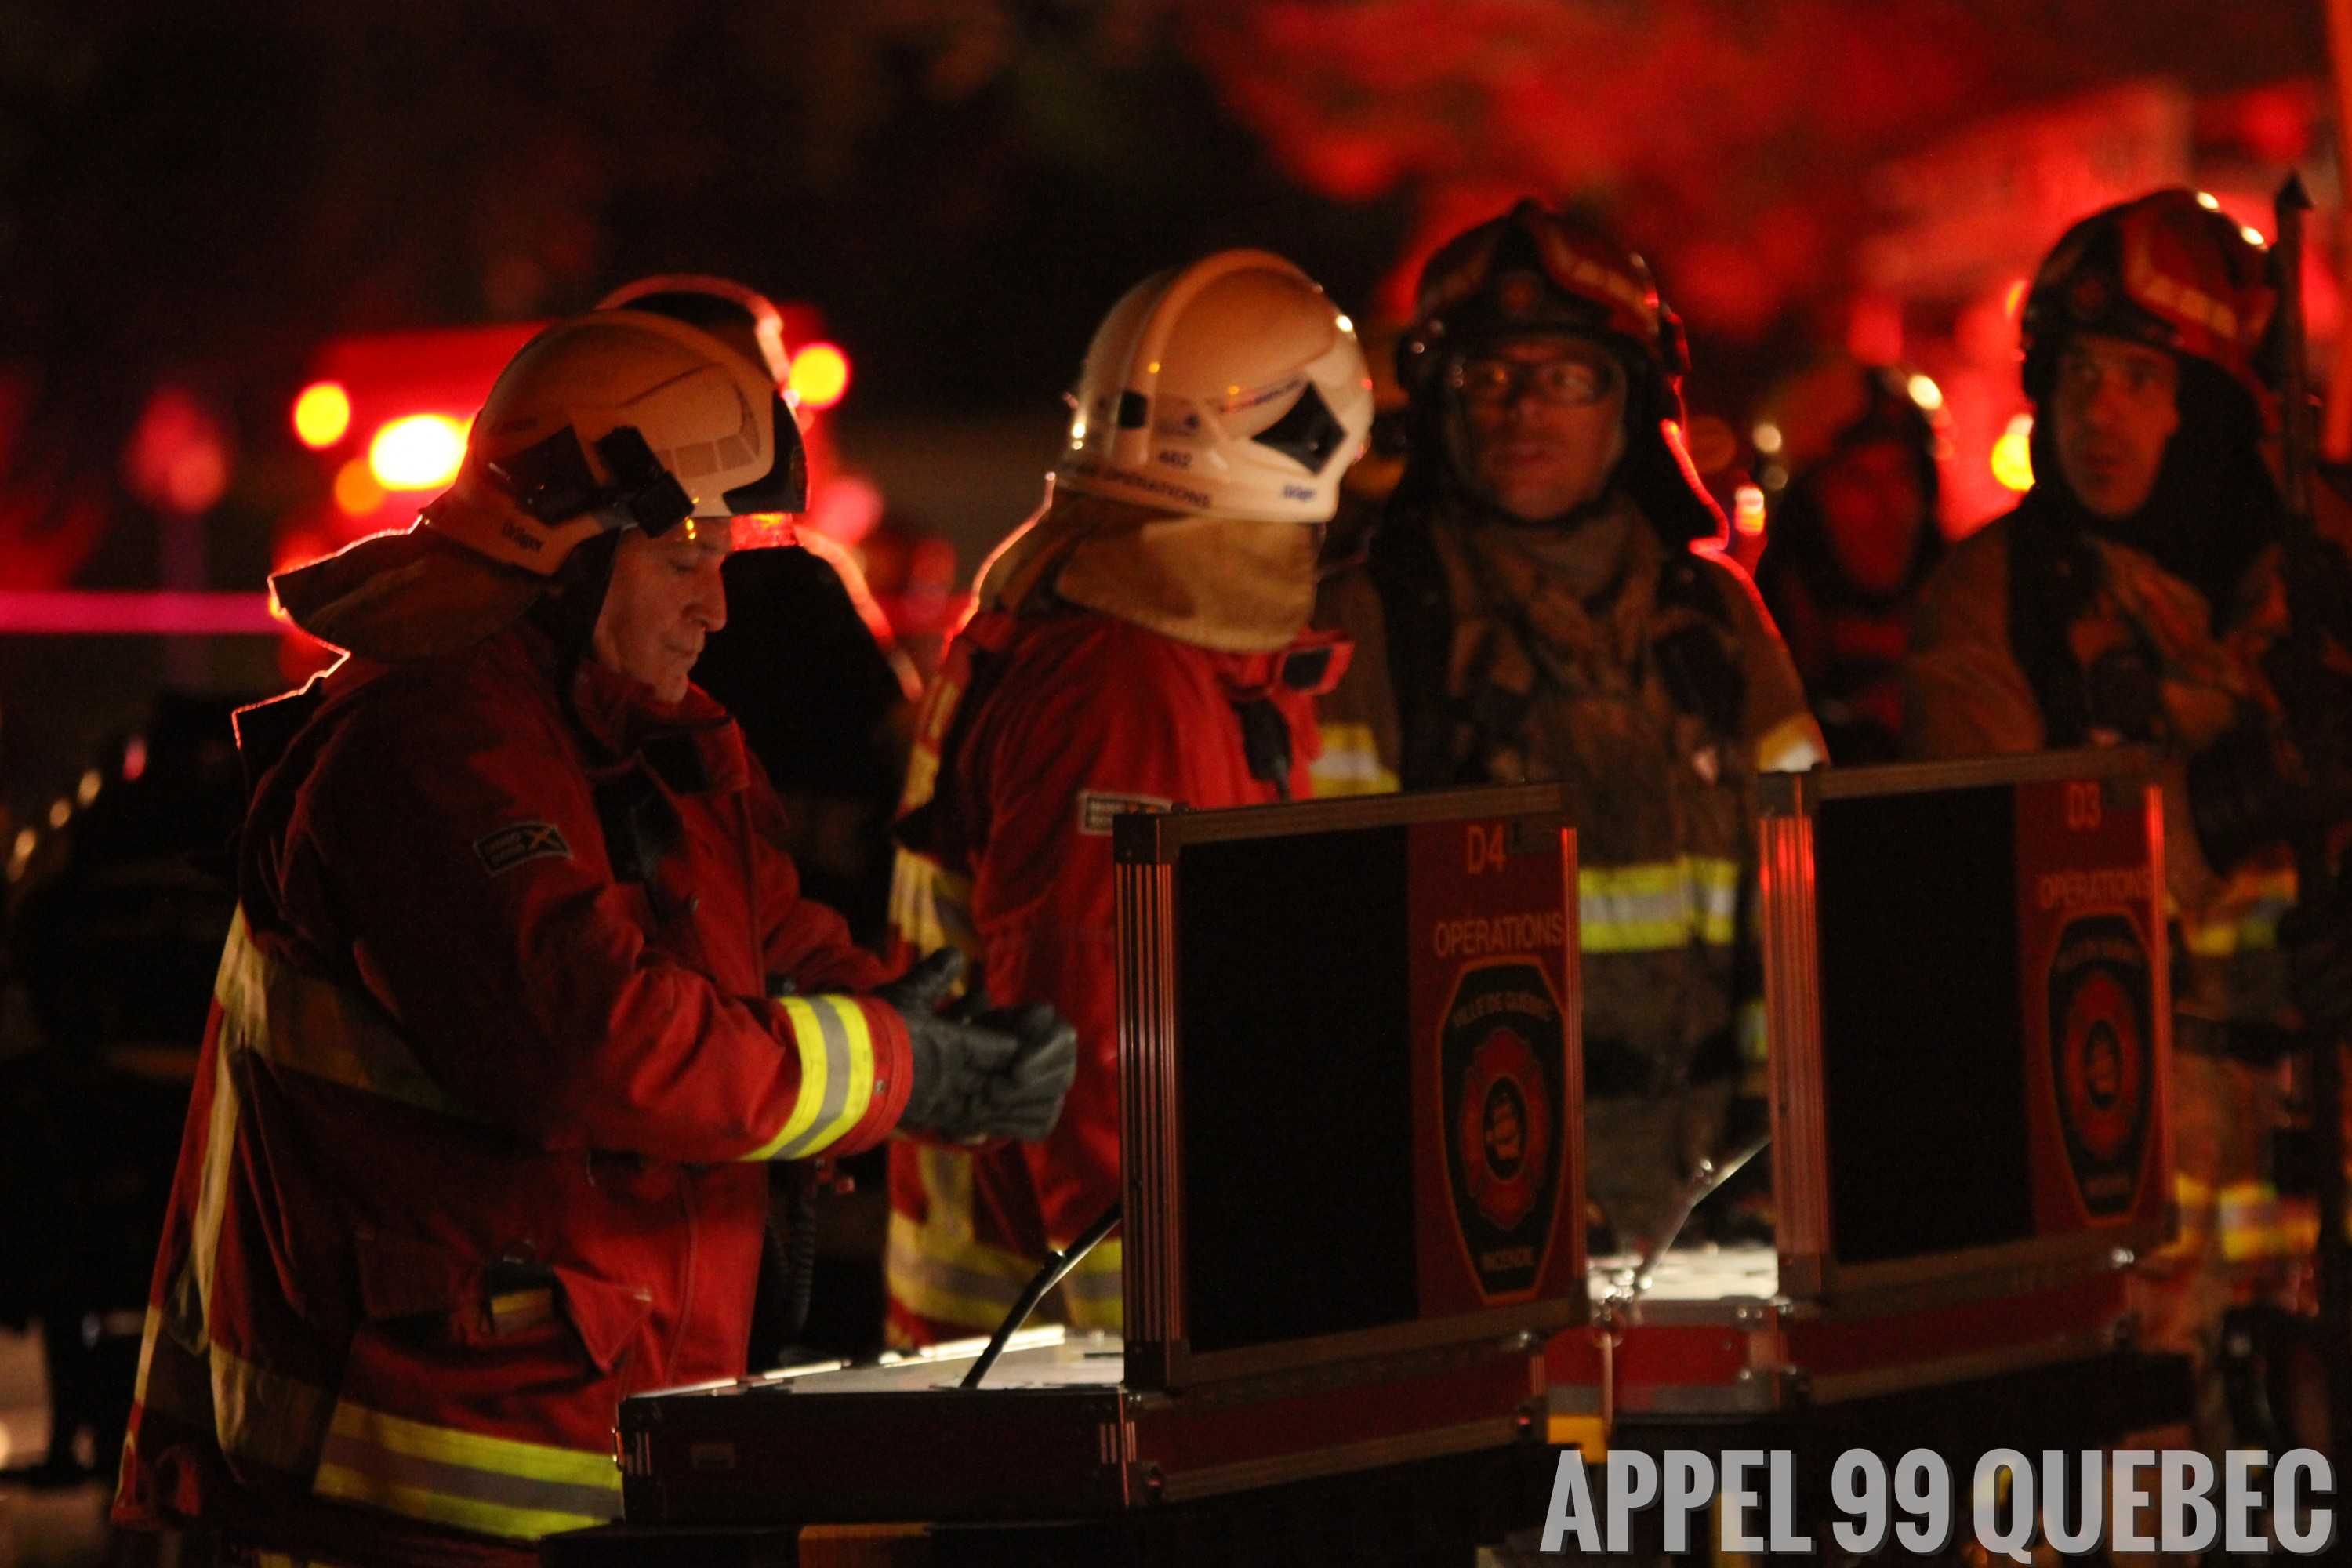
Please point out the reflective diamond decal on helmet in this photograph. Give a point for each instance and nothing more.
(1309, 433)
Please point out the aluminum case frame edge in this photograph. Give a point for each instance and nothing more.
(1147, 851)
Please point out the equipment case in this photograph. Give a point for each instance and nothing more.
(1305, 991)
(1969, 1028)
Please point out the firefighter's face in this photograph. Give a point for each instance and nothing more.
(666, 597)
(1543, 422)
(2118, 406)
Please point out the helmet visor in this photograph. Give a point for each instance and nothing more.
(784, 487)
(763, 531)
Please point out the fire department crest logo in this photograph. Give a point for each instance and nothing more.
(1503, 1056)
(2101, 999)
(1505, 1129)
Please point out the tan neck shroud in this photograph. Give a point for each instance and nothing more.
(1220, 582)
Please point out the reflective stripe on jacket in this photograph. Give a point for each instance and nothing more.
(1665, 875)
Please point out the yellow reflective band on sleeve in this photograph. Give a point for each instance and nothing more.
(837, 1051)
(1350, 763)
(1791, 746)
(493, 1485)
(311, 1025)
(930, 906)
(1658, 906)
(836, 1075)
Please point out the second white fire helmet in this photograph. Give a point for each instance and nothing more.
(1232, 387)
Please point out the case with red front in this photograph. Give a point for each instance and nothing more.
(1969, 1030)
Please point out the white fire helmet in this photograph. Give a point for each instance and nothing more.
(1232, 387)
(621, 419)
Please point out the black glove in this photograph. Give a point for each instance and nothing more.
(1002, 1075)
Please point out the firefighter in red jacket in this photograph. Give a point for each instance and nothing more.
(519, 999)
(1141, 643)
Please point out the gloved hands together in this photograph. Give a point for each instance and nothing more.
(1001, 1074)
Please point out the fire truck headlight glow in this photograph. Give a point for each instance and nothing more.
(420, 452)
(356, 491)
(819, 376)
(1924, 391)
(322, 413)
(2013, 455)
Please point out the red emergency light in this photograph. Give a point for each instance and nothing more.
(322, 412)
(819, 376)
(392, 409)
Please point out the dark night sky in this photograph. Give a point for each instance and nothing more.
(203, 192)
(197, 195)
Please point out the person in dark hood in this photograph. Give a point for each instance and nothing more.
(1541, 602)
(1853, 536)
